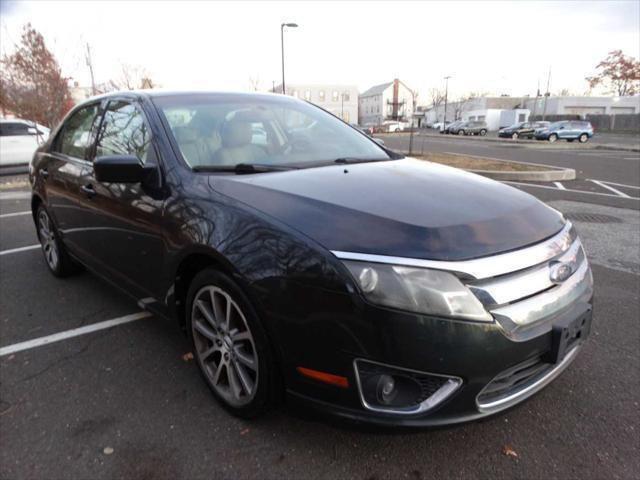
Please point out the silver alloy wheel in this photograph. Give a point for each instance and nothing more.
(224, 345)
(48, 240)
(583, 138)
(514, 136)
(553, 138)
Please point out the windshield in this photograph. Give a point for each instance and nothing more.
(223, 130)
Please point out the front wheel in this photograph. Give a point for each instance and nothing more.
(553, 137)
(583, 138)
(483, 132)
(460, 132)
(55, 253)
(514, 136)
(230, 345)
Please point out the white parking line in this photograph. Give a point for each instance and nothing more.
(611, 189)
(56, 337)
(559, 185)
(547, 187)
(636, 187)
(16, 214)
(20, 249)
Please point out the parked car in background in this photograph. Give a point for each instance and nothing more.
(321, 266)
(392, 126)
(569, 130)
(365, 130)
(440, 125)
(18, 140)
(474, 127)
(452, 126)
(522, 130)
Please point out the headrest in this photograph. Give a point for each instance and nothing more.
(236, 133)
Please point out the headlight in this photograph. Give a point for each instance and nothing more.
(419, 290)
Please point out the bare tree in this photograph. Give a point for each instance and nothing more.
(132, 77)
(436, 96)
(618, 74)
(31, 81)
(254, 83)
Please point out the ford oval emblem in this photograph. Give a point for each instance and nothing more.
(559, 272)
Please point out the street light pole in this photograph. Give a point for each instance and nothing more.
(282, 25)
(446, 94)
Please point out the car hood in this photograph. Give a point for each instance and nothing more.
(405, 208)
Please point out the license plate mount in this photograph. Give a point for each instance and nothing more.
(566, 334)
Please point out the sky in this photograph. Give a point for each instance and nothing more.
(486, 47)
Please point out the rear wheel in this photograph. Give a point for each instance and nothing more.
(553, 137)
(230, 344)
(460, 132)
(583, 138)
(483, 132)
(55, 253)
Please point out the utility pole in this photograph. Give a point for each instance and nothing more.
(446, 94)
(90, 65)
(413, 108)
(546, 95)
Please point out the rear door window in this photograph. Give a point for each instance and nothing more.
(123, 132)
(75, 139)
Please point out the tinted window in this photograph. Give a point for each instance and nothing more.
(13, 129)
(75, 139)
(123, 132)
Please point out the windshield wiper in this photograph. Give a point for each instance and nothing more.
(358, 160)
(241, 168)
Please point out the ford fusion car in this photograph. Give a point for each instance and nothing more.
(522, 130)
(307, 262)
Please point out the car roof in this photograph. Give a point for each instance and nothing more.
(159, 93)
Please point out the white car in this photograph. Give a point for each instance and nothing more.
(18, 140)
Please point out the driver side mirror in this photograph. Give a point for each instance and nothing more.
(32, 131)
(118, 169)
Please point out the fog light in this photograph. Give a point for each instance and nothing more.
(389, 389)
(386, 389)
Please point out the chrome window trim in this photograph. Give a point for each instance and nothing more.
(484, 267)
(444, 392)
(526, 392)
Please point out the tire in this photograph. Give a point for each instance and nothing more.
(233, 354)
(460, 132)
(514, 136)
(583, 138)
(55, 253)
(553, 137)
(483, 132)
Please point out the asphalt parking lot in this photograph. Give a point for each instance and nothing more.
(127, 401)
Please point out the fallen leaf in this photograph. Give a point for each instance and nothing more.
(509, 451)
(244, 432)
(107, 450)
(187, 357)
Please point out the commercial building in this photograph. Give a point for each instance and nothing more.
(572, 105)
(341, 100)
(387, 101)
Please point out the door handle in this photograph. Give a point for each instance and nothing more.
(44, 173)
(88, 189)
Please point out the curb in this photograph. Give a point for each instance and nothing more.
(551, 174)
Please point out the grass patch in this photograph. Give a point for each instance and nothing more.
(477, 163)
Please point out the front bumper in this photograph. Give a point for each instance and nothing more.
(484, 356)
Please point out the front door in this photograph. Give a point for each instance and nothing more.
(125, 218)
(62, 173)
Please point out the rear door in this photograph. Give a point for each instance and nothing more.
(124, 219)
